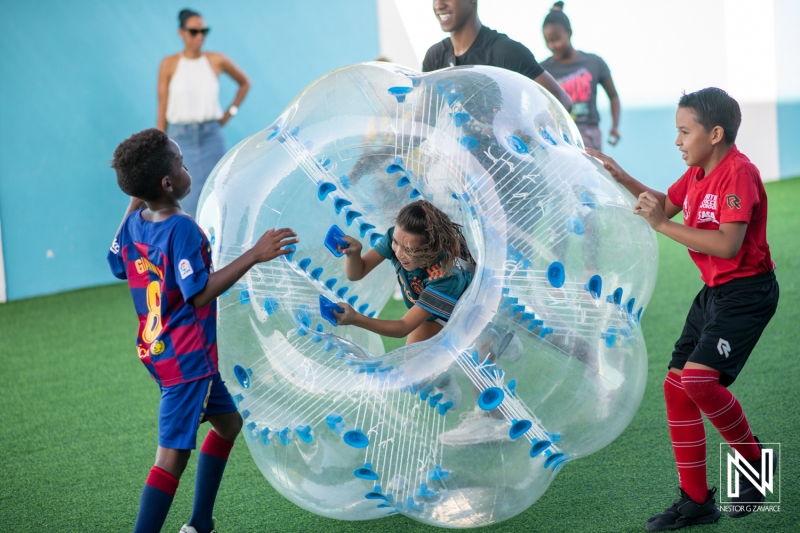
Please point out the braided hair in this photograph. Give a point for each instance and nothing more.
(443, 240)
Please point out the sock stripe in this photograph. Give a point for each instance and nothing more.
(688, 436)
(216, 446)
(162, 480)
(722, 409)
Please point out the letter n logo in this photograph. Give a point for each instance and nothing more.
(763, 480)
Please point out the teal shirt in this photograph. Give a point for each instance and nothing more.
(431, 288)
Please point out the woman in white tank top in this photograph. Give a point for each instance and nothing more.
(188, 102)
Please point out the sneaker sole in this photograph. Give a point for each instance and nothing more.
(694, 522)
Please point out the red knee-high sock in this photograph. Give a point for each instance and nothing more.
(722, 409)
(688, 438)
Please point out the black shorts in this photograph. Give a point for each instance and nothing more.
(725, 323)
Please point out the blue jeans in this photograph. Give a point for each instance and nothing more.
(202, 145)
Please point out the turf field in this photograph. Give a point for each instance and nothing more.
(80, 420)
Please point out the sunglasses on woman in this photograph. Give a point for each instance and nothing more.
(193, 32)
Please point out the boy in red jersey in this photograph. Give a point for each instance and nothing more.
(725, 228)
(166, 259)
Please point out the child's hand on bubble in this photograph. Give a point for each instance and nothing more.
(272, 243)
(353, 246)
(648, 207)
(346, 318)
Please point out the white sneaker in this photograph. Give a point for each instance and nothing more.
(189, 529)
(477, 428)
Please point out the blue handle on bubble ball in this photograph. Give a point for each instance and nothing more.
(326, 309)
(334, 238)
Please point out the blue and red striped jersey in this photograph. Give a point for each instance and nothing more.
(166, 263)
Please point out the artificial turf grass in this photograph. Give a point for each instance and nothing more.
(81, 415)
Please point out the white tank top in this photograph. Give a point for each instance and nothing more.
(193, 92)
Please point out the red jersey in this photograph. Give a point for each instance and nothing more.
(732, 192)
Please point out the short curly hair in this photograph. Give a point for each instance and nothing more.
(141, 161)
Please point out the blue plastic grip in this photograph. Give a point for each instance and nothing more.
(326, 308)
(334, 239)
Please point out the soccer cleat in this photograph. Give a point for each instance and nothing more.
(750, 498)
(477, 428)
(189, 529)
(685, 512)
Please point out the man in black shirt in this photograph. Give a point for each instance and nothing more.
(471, 43)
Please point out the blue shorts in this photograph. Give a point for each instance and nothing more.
(183, 407)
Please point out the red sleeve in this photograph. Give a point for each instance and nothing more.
(738, 195)
(677, 191)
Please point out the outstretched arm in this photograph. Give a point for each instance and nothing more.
(398, 329)
(269, 246)
(548, 82)
(635, 187)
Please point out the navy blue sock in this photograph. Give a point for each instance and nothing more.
(211, 463)
(157, 495)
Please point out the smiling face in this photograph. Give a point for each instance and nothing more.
(557, 39)
(694, 141)
(180, 181)
(193, 25)
(402, 242)
(453, 14)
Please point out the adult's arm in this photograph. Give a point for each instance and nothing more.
(238, 75)
(613, 97)
(516, 56)
(548, 82)
(165, 72)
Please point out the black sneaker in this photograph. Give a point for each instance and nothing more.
(750, 498)
(685, 512)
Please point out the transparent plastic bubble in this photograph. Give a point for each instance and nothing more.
(542, 361)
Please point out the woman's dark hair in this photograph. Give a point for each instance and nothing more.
(557, 16)
(141, 161)
(443, 241)
(714, 107)
(185, 15)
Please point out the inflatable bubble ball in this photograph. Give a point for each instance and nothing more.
(542, 361)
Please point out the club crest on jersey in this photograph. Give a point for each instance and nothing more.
(733, 201)
(185, 268)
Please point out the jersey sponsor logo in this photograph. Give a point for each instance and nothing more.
(724, 347)
(143, 265)
(706, 216)
(733, 201)
(709, 202)
(185, 268)
(115, 247)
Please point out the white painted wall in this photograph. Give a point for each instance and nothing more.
(657, 50)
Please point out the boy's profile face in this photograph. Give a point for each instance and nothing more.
(694, 141)
(180, 181)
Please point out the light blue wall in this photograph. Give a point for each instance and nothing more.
(789, 138)
(78, 77)
(647, 148)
